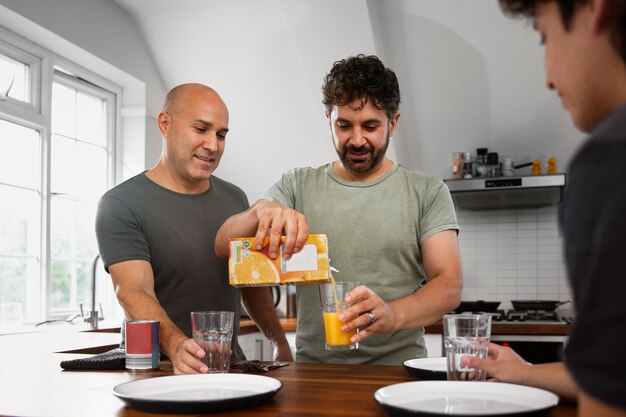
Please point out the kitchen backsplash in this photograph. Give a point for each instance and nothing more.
(512, 255)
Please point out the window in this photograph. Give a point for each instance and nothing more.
(79, 176)
(20, 220)
(55, 164)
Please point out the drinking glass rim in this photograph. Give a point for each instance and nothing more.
(465, 315)
(213, 312)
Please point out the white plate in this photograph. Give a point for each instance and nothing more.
(200, 393)
(463, 398)
(427, 368)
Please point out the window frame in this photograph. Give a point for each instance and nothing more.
(45, 68)
(22, 54)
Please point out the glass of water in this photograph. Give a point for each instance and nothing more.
(465, 334)
(213, 332)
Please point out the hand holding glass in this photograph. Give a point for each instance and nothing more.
(213, 332)
(465, 334)
(332, 296)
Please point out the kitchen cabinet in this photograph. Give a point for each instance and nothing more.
(434, 344)
(291, 339)
(256, 346)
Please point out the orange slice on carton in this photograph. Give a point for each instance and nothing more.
(260, 270)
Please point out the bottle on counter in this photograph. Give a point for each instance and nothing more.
(507, 167)
(457, 165)
(480, 166)
(551, 166)
(493, 165)
(468, 165)
(536, 167)
(481, 155)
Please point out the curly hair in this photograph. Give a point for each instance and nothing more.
(567, 9)
(362, 78)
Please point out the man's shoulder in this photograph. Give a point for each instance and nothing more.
(308, 171)
(303, 174)
(420, 177)
(128, 187)
(225, 186)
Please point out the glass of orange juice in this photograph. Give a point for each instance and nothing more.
(332, 296)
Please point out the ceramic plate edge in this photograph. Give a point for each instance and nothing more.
(429, 359)
(554, 399)
(123, 396)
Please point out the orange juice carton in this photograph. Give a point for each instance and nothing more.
(248, 266)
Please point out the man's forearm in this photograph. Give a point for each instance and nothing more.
(551, 376)
(239, 225)
(141, 306)
(260, 307)
(427, 305)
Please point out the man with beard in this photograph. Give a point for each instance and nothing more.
(389, 228)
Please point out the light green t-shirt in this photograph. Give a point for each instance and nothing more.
(374, 231)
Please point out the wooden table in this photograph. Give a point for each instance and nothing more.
(33, 384)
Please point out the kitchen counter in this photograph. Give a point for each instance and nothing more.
(247, 326)
(289, 324)
(518, 328)
(508, 328)
(33, 384)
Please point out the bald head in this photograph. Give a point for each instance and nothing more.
(178, 95)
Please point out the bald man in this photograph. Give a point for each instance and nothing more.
(156, 233)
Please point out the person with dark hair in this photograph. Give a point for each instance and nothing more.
(156, 233)
(390, 228)
(585, 65)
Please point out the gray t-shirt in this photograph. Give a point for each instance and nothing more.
(140, 220)
(374, 233)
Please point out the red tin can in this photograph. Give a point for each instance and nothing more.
(142, 345)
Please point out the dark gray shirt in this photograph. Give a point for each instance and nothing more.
(140, 220)
(594, 225)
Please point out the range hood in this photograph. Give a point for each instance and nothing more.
(507, 192)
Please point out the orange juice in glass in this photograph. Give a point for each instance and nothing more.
(332, 296)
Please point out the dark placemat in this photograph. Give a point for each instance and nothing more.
(111, 360)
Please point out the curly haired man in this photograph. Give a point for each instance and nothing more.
(389, 228)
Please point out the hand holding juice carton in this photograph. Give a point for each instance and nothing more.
(249, 267)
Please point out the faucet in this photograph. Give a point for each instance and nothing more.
(93, 318)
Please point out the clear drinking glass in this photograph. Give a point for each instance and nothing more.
(332, 296)
(465, 334)
(213, 332)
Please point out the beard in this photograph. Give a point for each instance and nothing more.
(372, 158)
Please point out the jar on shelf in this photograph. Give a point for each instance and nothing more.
(457, 165)
(536, 167)
(468, 165)
(507, 167)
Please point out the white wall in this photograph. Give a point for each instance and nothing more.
(267, 59)
(470, 78)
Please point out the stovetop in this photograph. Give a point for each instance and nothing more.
(528, 317)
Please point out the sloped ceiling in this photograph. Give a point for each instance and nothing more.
(267, 59)
(469, 76)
